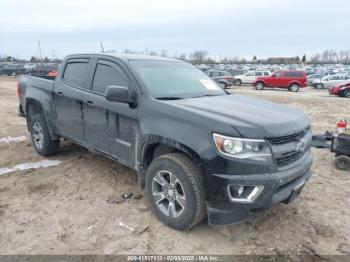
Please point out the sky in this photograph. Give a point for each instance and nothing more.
(242, 28)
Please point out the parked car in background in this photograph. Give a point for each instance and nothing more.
(293, 80)
(331, 80)
(249, 77)
(340, 90)
(311, 78)
(236, 72)
(13, 70)
(44, 71)
(223, 78)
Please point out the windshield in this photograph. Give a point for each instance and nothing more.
(174, 79)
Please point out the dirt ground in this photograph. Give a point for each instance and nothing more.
(76, 208)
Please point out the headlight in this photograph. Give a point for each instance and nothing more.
(241, 148)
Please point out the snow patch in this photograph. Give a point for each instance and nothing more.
(10, 139)
(25, 166)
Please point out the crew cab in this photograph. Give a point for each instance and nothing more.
(340, 90)
(293, 80)
(197, 151)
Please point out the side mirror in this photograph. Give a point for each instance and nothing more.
(119, 94)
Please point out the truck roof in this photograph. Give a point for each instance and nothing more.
(126, 56)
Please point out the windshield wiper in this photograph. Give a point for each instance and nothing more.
(169, 98)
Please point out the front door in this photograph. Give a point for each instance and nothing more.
(108, 125)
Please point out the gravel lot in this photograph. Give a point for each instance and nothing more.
(76, 207)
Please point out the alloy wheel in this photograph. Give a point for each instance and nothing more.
(168, 193)
(38, 135)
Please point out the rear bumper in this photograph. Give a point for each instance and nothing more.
(282, 186)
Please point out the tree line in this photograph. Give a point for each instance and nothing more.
(329, 56)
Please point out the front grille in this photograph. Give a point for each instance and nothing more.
(288, 158)
(288, 149)
(288, 138)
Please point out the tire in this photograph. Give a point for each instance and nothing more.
(342, 162)
(320, 86)
(259, 86)
(41, 138)
(223, 85)
(294, 88)
(186, 192)
(238, 82)
(346, 93)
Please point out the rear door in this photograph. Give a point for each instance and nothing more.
(249, 77)
(69, 93)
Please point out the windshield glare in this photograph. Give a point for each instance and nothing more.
(174, 79)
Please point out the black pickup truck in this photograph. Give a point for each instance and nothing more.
(198, 151)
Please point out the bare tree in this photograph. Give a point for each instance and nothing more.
(199, 56)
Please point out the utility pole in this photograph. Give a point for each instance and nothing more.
(103, 50)
(40, 52)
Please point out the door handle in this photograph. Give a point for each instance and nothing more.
(59, 93)
(89, 102)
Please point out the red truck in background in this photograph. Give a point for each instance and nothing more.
(293, 80)
(341, 90)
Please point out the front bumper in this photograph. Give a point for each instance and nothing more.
(282, 186)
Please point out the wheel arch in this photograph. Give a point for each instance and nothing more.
(33, 106)
(155, 146)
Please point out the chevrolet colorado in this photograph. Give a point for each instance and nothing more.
(198, 152)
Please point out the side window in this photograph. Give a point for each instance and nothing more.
(215, 74)
(278, 74)
(266, 73)
(250, 74)
(75, 72)
(259, 73)
(107, 75)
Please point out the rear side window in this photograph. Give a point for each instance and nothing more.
(258, 73)
(75, 72)
(108, 75)
(293, 74)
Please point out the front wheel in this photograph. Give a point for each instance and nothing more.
(175, 191)
(342, 162)
(41, 138)
(238, 82)
(259, 86)
(222, 85)
(346, 93)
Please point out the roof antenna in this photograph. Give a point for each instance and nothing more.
(103, 50)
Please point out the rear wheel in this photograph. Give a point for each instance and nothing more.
(238, 82)
(175, 191)
(259, 86)
(294, 88)
(41, 138)
(342, 162)
(320, 86)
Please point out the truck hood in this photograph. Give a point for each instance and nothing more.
(251, 117)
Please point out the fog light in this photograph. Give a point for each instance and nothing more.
(244, 194)
(236, 191)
